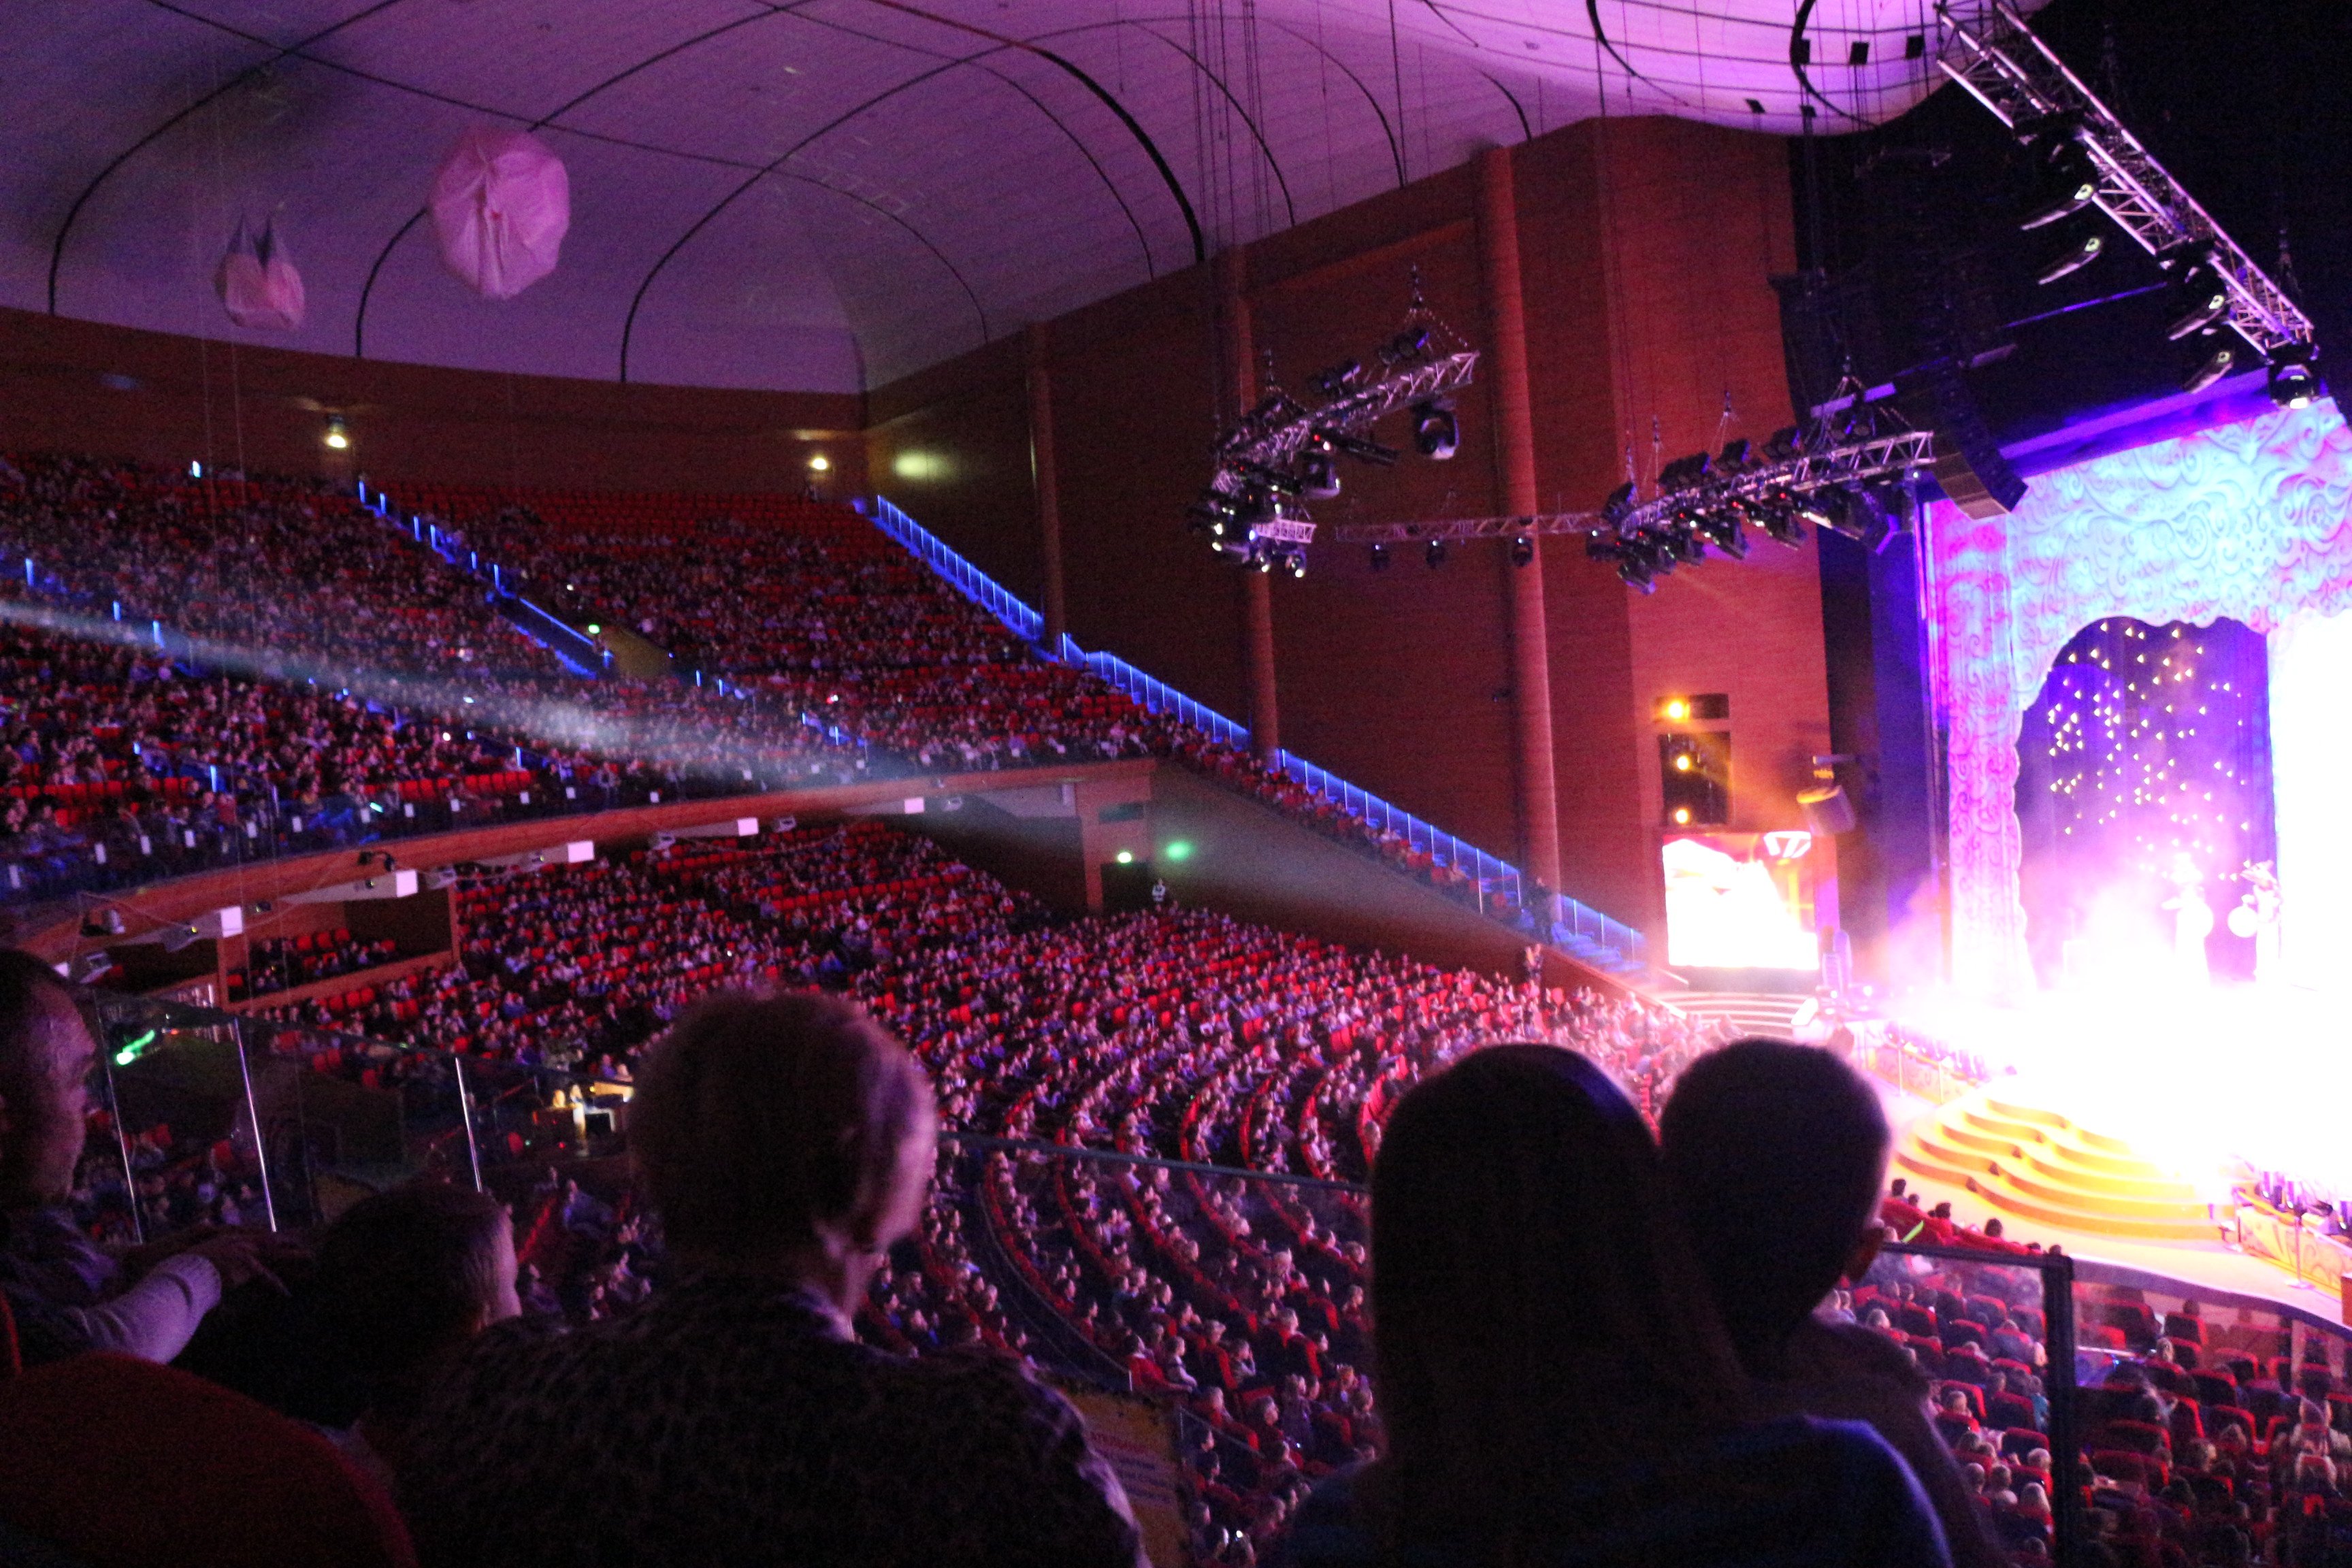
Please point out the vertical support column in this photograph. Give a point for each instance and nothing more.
(1238, 353)
(1047, 477)
(1515, 461)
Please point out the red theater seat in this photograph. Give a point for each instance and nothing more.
(120, 1463)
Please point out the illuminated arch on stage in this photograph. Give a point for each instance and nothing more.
(2251, 521)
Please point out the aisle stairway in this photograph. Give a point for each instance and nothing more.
(2038, 1165)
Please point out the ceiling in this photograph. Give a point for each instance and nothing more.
(823, 194)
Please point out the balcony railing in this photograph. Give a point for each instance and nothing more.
(1496, 885)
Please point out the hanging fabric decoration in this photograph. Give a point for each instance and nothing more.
(500, 206)
(257, 283)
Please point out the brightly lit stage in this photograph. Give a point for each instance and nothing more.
(2140, 678)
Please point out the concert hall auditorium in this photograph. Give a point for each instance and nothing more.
(1237, 783)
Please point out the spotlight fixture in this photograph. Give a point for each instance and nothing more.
(1294, 562)
(2292, 385)
(1681, 544)
(1338, 380)
(1379, 557)
(1318, 476)
(2078, 254)
(1619, 506)
(1734, 456)
(1434, 555)
(338, 436)
(2200, 298)
(1435, 431)
(1523, 551)
(1776, 512)
(820, 464)
(2209, 369)
(1365, 451)
(1721, 528)
(1783, 445)
(1632, 568)
(1407, 346)
(1684, 473)
(2064, 178)
(1830, 507)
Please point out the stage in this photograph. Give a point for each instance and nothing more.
(2057, 1156)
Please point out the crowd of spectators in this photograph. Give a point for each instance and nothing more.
(1176, 1036)
(816, 608)
(284, 963)
(361, 680)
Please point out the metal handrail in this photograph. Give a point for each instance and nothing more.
(1581, 930)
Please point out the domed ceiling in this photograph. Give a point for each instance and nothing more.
(821, 194)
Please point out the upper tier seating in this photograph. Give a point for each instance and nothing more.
(844, 656)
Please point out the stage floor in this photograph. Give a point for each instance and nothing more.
(2213, 1265)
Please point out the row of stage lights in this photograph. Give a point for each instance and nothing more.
(2092, 178)
(1853, 471)
(2066, 184)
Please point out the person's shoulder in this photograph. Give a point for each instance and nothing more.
(1843, 1457)
(1852, 1350)
(1328, 1530)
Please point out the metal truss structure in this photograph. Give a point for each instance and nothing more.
(1274, 440)
(2012, 72)
(1826, 462)
(1282, 452)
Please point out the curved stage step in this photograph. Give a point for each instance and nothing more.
(2037, 1165)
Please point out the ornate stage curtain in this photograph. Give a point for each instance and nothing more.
(2251, 521)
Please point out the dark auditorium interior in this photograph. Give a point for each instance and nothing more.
(1290, 783)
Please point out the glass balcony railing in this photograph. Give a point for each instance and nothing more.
(1215, 1317)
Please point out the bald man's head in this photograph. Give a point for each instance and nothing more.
(46, 1050)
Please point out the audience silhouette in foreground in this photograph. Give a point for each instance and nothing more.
(1775, 1152)
(1558, 1385)
(784, 1145)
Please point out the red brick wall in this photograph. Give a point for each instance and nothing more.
(1645, 249)
(175, 398)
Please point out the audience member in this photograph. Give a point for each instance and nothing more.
(1774, 1153)
(403, 1280)
(1532, 1285)
(67, 1294)
(786, 1145)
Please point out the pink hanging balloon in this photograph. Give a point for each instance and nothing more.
(257, 283)
(500, 203)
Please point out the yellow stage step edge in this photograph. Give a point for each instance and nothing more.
(2016, 1112)
(2059, 1161)
(2168, 1200)
(2056, 1168)
(2013, 1205)
(2010, 1109)
(2108, 1154)
(2147, 1206)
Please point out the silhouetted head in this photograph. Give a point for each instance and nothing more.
(1774, 1152)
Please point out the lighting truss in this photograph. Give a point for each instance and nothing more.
(1282, 453)
(2012, 72)
(1276, 442)
(1829, 460)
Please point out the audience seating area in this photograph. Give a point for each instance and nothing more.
(353, 677)
(1183, 1035)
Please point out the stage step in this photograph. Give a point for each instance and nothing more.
(1770, 1015)
(2036, 1164)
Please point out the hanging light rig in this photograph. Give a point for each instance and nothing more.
(1284, 453)
(1853, 468)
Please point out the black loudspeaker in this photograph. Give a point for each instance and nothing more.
(1828, 809)
(1919, 311)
